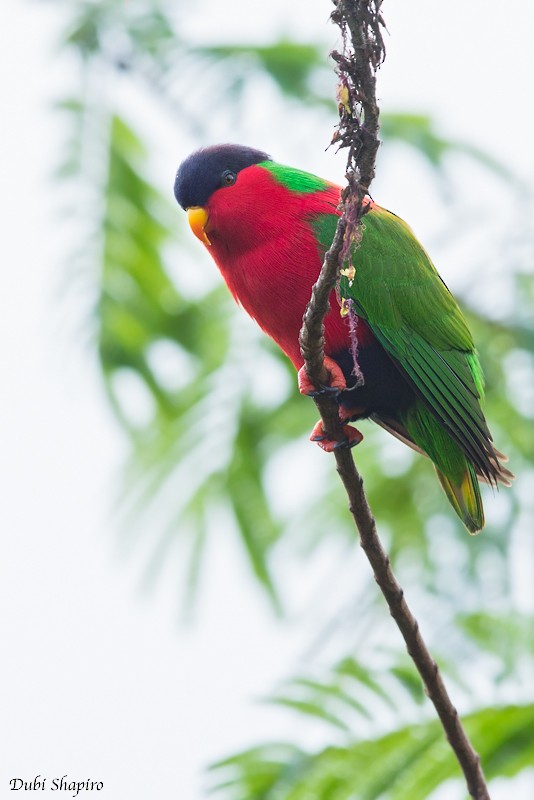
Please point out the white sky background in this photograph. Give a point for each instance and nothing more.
(97, 679)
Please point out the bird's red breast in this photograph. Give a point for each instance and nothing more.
(264, 244)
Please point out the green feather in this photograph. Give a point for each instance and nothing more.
(294, 179)
(454, 471)
(397, 283)
(465, 498)
(399, 293)
(456, 408)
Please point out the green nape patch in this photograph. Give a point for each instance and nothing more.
(294, 179)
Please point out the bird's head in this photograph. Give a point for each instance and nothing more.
(207, 171)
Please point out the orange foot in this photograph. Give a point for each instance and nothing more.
(336, 380)
(351, 439)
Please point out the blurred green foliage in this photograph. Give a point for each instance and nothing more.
(407, 763)
(183, 373)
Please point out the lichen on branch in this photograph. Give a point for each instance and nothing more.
(362, 53)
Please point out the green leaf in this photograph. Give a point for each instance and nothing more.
(291, 65)
(419, 131)
(406, 764)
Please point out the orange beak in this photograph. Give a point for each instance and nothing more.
(198, 219)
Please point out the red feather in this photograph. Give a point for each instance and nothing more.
(264, 244)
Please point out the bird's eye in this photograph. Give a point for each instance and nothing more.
(228, 178)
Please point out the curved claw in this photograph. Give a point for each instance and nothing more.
(351, 438)
(337, 382)
(332, 391)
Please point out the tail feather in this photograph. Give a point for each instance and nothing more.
(500, 473)
(457, 474)
(465, 498)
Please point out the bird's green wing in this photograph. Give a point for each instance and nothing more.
(398, 291)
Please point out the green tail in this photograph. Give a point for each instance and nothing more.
(465, 498)
(456, 475)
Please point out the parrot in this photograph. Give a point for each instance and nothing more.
(397, 347)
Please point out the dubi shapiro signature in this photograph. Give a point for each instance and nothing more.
(55, 784)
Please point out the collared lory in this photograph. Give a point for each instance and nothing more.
(398, 351)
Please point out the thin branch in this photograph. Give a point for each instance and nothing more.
(358, 131)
